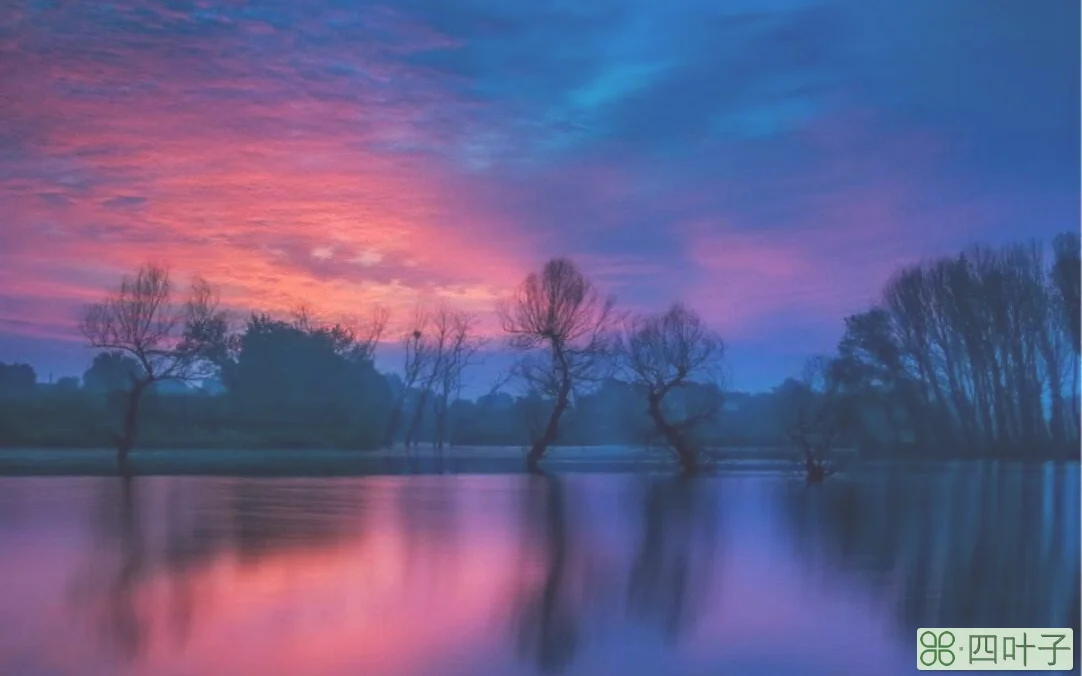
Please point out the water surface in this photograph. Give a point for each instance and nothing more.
(750, 573)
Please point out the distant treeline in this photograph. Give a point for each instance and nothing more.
(971, 354)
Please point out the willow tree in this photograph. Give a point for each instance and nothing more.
(170, 339)
(562, 325)
(668, 353)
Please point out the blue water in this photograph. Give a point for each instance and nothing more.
(749, 573)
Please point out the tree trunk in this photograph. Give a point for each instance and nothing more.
(415, 421)
(125, 441)
(1076, 409)
(552, 428)
(540, 446)
(441, 422)
(393, 421)
(1057, 421)
(814, 470)
(1000, 404)
(689, 460)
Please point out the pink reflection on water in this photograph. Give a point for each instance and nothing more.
(406, 576)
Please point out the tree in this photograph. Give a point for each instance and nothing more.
(68, 384)
(1066, 279)
(168, 339)
(431, 351)
(811, 412)
(460, 352)
(417, 357)
(440, 348)
(982, 340)
(668, 352)
(17, 380)
(110, 372)
(301, 380)
(354, 337)
(563, 327)
(870, 368)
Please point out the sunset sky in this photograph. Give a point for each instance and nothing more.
(771, 162)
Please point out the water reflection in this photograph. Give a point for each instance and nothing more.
(579, 574)
(674, 567)
(965, 546)
(548, 623)
(120, 615)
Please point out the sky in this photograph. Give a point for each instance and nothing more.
(770, 163)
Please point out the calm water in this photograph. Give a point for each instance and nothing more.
(578, 574)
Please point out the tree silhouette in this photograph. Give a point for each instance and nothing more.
(669, 352)
(563, 326)
(169, 340)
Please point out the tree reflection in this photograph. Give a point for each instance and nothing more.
(429, 516)
(138, 590)
(548, 629)
(125, 622)
(266, 517)
(986, 545)
(674, 562)
(115, 589)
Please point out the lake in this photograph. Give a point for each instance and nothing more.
(747, 573)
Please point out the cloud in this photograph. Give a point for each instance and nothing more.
(368, 258)
(770, 161)
(125, 202)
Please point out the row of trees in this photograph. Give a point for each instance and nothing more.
(568, 335)
(972, 353)
(977, 352)
(571, 338)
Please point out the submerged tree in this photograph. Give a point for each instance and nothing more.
(169, 340)
(671, 352)
(562, 325)
(813, 414)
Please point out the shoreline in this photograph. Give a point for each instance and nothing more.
(461, 460)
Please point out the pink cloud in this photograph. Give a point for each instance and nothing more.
(238, 171)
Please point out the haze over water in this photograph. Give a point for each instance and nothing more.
(576, 574)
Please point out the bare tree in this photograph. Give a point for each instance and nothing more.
(416, 360)
(984, 338)
(668, 352)
(1065, 277)
(169, 340)
(367, 331)
(460, 352)
(562, 325)
(813, 416)
(430, 354)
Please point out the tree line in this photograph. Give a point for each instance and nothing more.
(972, 354)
